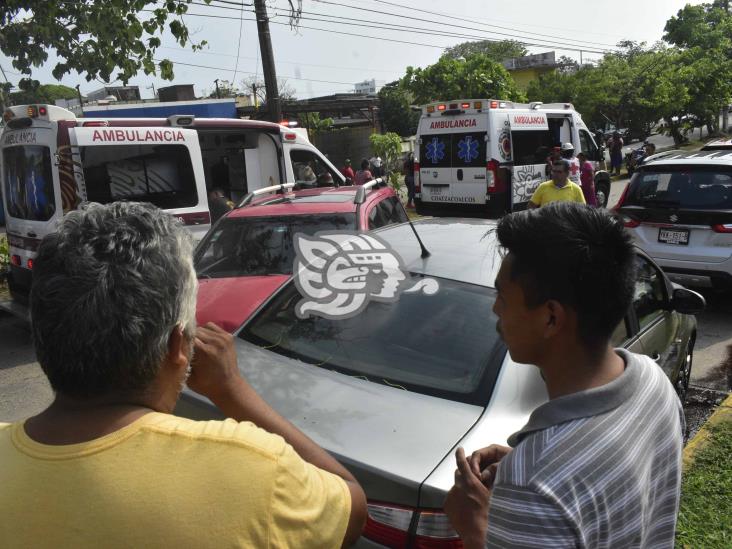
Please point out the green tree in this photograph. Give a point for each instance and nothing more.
(498, 51)
(94, 38)
(389, 147)
(477, 76)
(43, 93)
(396, 109)
(704, 33)
(314, 123)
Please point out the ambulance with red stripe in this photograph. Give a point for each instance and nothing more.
(51, 162)
(487, 157)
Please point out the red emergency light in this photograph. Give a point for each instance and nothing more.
(441, 107)
(465, 105)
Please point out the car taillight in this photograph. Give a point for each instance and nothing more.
(30, 263)
(629, 222)
(417, 182)
(389, 525)
(15, 260)
(722, 228)
(491, 174)
(621, 200)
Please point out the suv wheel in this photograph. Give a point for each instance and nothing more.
(682, 381)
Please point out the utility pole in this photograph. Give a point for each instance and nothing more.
(254, 95)
(268, 65)
(81, 101)
(218, 93)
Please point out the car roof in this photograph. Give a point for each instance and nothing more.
(718, 144)
(306, 201)
(465, 250)
(690, 157)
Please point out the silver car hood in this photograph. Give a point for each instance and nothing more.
(391, 439)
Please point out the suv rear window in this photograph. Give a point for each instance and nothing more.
(452, 356)
(160, 174)
(257, 246)
(29, 182)
(692, 187)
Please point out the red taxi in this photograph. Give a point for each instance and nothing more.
(249, 253)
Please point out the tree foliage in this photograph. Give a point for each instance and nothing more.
(42, 93)
(389, 147)
(498, 51)
(286, 91)
(477, 76)
(396, 109)
(95, 38)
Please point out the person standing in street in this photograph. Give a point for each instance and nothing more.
(363, 175)
(347, 170)
(615, 146)
(574, 165)
(408, 169)
(599, 464)
(587, 179)
(376, 166)
(107, 464)
(557, 189)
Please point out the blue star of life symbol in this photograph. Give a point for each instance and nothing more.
(468, 149)
(435, 150)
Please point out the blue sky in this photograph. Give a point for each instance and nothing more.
(320, 62)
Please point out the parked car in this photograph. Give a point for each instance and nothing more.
(718, 145)
(392, 391)
(678, 207)
(248, 254)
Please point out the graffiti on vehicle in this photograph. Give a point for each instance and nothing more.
(525, 181)
(504, 144)
(338, 274)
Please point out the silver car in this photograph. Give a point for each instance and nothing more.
(393, 391)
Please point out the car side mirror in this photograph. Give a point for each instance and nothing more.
(687, 301)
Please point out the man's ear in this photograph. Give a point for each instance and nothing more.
(178, 349)
(556, 318)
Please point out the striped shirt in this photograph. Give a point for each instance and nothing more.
(600, 468)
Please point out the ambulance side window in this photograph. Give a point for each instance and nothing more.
(587, 146)
(531, 146)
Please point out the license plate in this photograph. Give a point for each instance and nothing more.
(674, 236)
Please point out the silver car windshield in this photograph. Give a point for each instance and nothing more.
(444, 344)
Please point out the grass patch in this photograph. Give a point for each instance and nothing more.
(706, 494)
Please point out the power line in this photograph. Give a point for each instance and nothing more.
(238, 42)
(328, 2)
(482, 22)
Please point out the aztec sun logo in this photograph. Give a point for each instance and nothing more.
(338, 274)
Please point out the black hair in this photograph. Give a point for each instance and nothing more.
(563, 163)
(365, 164)
(579, 256)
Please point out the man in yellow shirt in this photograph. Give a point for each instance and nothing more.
(558, 189)
(106, 464)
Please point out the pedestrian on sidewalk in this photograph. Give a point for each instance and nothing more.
(615, 146)
(107, 464)
(599, 464)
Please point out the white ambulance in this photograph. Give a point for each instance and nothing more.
(51, 161)
(488, 156)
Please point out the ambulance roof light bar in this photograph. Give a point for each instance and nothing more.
(281, 189)
(181, 120)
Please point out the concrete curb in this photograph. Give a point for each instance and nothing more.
(701, 439)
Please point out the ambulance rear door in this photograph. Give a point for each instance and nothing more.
(159, 164)
(452, 158)
(531, 143)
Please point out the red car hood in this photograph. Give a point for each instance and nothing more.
(228, 302)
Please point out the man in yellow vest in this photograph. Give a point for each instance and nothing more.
(558, 189)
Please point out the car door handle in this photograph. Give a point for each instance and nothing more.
(656, 357)
(31, 234)
(460, 175)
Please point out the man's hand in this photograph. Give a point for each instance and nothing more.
(467, 503)
(214, 368)
(484, 462)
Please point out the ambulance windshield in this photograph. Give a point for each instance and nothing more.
(28, 182)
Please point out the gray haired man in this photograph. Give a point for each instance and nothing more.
(106, 464)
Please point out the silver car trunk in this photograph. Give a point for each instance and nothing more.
(391, 439)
